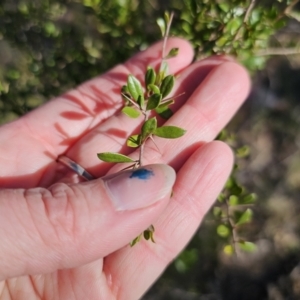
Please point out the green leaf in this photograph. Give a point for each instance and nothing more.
(153, 88)
(134, 141)
(153, 101)
(130, 112)
(150, 76)
(148, 233)
(228, 249)
(235, 189)
(162, 25)
(247, 246)
(167, 85)
(135, 87)
(222, 41)
(167, 17)
(233, 25)
(159, 78)
(217, 211)
(148, 128)
(221, 197)
(140, 101)
(173, 52)
(248, 199)
(165, 112)
(233, 200)
(114, 157)
(169, 132)
(243, 151)
(224, 6)
(136, 240)
(246, 217)
(223, 230)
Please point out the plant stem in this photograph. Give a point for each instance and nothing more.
(141, 149)
(163, 54)
(233, 228)
(247, 15)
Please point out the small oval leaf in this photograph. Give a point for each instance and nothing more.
(153, 101)
(164, 111)
(169, 132)
(124, 89)
(148, 128)
(136, 240)
(134, 141)
(223, 230)
(162, 25)
(249, 199)
(247, 246)
(114, 157)
(130, 112)
(228, 249)
(167, 17)
(135, 87)
(146, 235)
(150, 76)
(153, 88)
(167, 85)
(173, 52)
(233, 200)
(243, 151)
(159, 77)
(246, 217)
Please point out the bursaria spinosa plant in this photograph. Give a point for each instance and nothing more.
(148, 98)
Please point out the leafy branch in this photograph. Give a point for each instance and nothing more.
(147, 99)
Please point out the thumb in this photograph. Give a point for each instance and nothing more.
(42, 230)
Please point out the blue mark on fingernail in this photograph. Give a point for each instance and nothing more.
(143, 174)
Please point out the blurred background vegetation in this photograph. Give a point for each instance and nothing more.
(50, 46)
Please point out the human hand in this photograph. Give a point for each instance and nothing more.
(62, 238)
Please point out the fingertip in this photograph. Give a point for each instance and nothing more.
(239, 75)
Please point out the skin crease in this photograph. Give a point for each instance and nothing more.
(58, 240)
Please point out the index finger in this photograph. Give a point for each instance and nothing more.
(68, 117)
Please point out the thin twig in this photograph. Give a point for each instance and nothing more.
(248, 11)
(287, 10)
(246, 18)
(170, 98)
(277, 51)
(290, 6)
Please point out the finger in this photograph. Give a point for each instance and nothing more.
(69, 225)
(113, 132)
(198, 183)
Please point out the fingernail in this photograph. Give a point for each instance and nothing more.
(134, 189)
